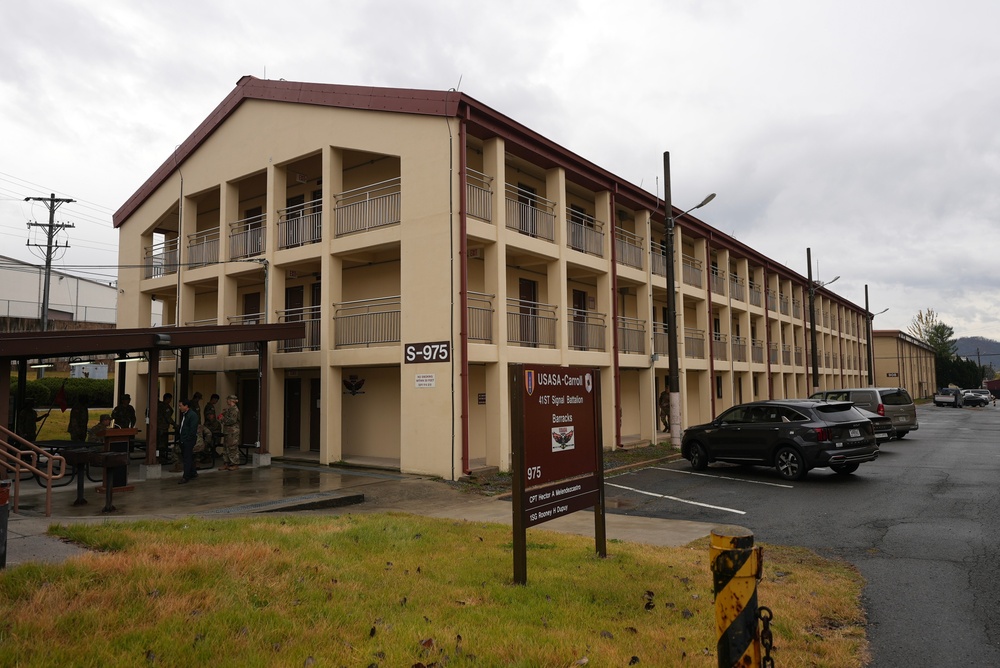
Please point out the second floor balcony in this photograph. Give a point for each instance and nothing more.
(720, 347)
(738, 346)
(658, 258)
(203, 248)
(737, 288)
(661, 343)
(631, 335)
(310, 316)
(368, 207)
(160, 259)
(249, 348)
(479, 195)
(584, 233)
(717, 281)
(300, 224)
(480, 317)
(629, 248)
(586, 330)
(531, 324)
(757, 351)
(694, 343)
(530, 214)
(366, 322)
(246, 237)
(691, 272)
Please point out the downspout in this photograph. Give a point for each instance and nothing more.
(463, 268)
(614, 323)
(711, 326)
(767, 338)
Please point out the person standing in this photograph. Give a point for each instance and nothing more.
(164, 421)
(26, 419)
(212, 418)
(663, 410)
(230, 418)
(123, 415)
(187, 436)
(79, 415)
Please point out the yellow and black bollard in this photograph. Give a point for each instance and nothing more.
(736, 569)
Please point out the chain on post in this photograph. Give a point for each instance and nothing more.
(766, 639)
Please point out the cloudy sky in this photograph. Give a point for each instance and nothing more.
(868, 131)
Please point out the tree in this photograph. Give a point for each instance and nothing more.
(922, 322)
(927, 327)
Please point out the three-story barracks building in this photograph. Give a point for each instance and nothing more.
(429, 242)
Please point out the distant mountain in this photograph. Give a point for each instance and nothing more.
(979, 349)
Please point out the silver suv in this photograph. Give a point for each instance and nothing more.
(892, 402)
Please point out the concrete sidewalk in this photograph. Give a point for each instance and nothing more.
(290, 486)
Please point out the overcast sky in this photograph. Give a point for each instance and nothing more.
(868, 131)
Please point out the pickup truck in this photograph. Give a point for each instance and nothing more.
(948, 396)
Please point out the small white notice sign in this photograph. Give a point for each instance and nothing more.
(425, 380)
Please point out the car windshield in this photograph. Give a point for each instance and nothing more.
(898, 397)
(839, 412)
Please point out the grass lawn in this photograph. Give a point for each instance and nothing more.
(399, 590)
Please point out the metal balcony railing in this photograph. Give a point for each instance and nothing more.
(737, 288)
(786, 354)
(308, 315)
(530, 214)
(757, 351)
(479, 195)
(203, 351)
(783, 304)
(772, 353)
(160, 259)
(738, 346)
(720, 347)
(798, 355)
(367, 322)
(658, 258)
(660, 338)
(772, 300)
(531, 324)
(796, 308)
(756, 296)
(587, 330)
(694, 343)
(630, 248)
(300, 224)
(368, 207)
(631, 335)
(481, 317)
(249, 348)
(691, 272)
(717, 281)
(584, 233)
(246, 237)
(203, 248)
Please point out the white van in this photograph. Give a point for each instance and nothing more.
(892, 402)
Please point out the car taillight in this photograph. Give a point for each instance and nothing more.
(881, 410)
(822, 433)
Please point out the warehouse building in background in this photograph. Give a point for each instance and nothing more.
(429, 243)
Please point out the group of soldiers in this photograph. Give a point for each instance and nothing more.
(216, 424)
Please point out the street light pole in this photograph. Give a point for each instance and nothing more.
(871, 352)
(673, 375)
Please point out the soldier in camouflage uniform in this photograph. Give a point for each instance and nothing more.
(230, 418)
(79, 416)
(164, 422)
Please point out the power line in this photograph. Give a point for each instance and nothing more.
(52, 203)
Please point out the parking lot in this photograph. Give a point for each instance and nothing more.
(921, 523)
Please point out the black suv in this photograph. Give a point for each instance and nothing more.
(792, 435)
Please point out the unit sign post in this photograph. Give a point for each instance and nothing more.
(557, 451)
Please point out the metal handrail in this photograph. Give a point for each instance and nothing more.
(17, 460)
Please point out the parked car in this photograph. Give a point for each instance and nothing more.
(949, 396)
(986, 395)
(882, 425)
(792, 435)
(892, 402)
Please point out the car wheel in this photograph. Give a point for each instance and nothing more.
(789, 464)
(844, 469)
(698, 457)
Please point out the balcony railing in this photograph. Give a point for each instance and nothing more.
(658, 258)
(738, 345)
(584, 233)
(660, 338)
(772, 300)
(368, 207)
(772, 353)
(826, 360)
(250, 347)
(796, 308)
(717, 281)
(586, 330)
(366, 322)
(160, 259)
(720, 347)
(531, 324)
(479, 195)
(783, 303)
(694, 343)
(629, 248)
(757, 351)
(737, 288)
(246, 237)
(631, 335)
(756, 296)
(308, 315)
(203, 248)
(481, 317)
(530, 214)
(203, 351)
(691, 271)
(786, 354)
(300, 224)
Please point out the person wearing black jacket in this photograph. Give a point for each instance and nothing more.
(187, 436)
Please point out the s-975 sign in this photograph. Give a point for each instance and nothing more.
(417, 353)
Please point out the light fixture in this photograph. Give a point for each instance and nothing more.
(79, 362)
(123, 360)
(42, 365)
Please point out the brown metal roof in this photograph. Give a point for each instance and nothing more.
(49, 345)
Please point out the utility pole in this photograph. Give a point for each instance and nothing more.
(52, 203)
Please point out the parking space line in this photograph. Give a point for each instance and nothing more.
(725, 477)
(674, 498)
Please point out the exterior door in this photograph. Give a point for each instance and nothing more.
(293, 413)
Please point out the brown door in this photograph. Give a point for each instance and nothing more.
(293, 413)
(314, 404)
